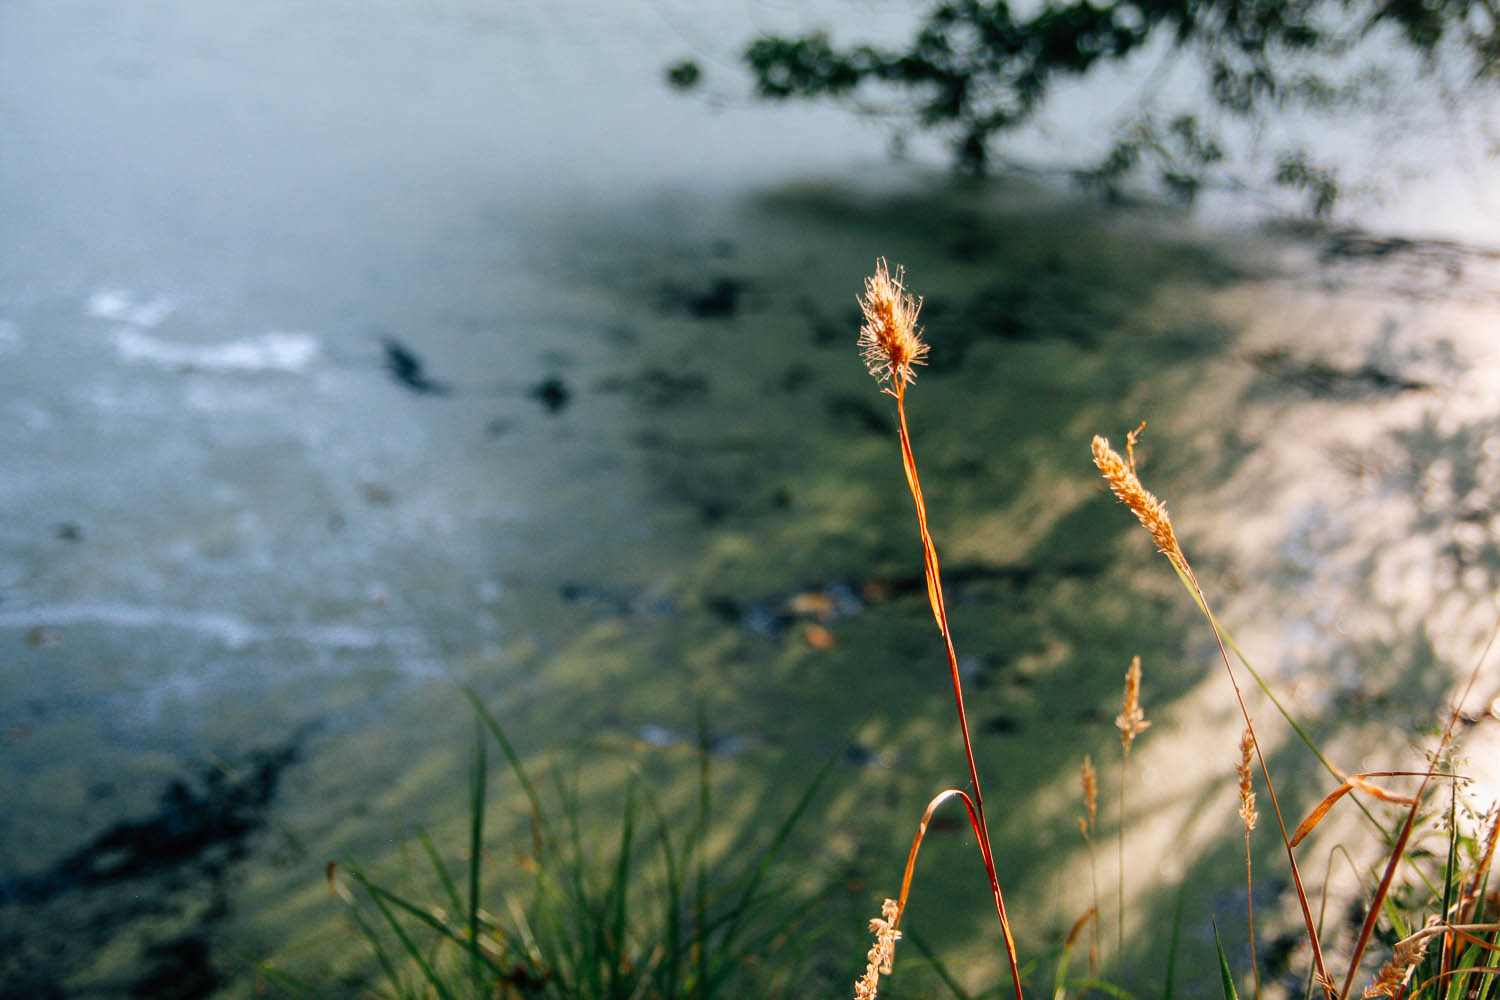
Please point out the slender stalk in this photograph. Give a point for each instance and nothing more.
(1317, 948)
(1248, 817)
(1089, 781)
(939, 611)
(1131, 722)
(1153, 516)
(1250, 914)
(1120, 841)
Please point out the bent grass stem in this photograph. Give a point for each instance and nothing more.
(940, 613)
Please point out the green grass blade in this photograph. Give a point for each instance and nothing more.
(447, 931)
(477, 788)
(381, 955)
(450, 888)
(671, 901)
(615, 950)
(269, 976)
(1060, 976)
(1460, 983)
(412, 951)
(1229, 992)
(1170, 979)
(1105, 986)
(700, 836)
(777, 842)
(921, 945)
(538, 817)
(1265, 688)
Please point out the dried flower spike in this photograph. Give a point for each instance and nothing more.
(1147, 508)
(1090, 782)
(1391, 978)
(889, 338)
(1132, 720)
(1247, 791)
(882, 953)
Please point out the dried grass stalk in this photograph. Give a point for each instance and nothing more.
(882, 953)
(891, 345)
(1089, 780)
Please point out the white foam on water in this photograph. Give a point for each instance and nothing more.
(122, 306)
(235, 633)
(268, 352)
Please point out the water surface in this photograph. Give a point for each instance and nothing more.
(351, 353)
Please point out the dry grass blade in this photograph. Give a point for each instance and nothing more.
(1079, 924)
(1398, 851)
(1468, 970)
(1316, 816)
(1360, 783)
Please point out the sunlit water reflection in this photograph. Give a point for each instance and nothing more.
(349, 351)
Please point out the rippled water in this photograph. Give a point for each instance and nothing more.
(349, 351)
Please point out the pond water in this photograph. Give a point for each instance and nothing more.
(350, 353)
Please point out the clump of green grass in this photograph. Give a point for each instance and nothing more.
(648, 920)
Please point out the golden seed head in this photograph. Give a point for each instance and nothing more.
(1151, 512)
(1391, 978)
(1090, 782)
(1247, 791)
(889, 339)
(1132, 719)
(882, 953)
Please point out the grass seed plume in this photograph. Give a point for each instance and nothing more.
(890, 340)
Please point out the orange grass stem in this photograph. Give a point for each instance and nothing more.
(939, 612)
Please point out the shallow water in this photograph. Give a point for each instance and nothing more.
(339, 365)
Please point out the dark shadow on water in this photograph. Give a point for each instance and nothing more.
(171, 871)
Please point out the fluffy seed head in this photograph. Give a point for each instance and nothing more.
(889, 338)
(1132, 719)
(1151, 512)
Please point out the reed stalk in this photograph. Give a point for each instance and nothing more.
(891, 344)
(1131, 722)
(1089, 781)
(1152, 514)
(1248, 816)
